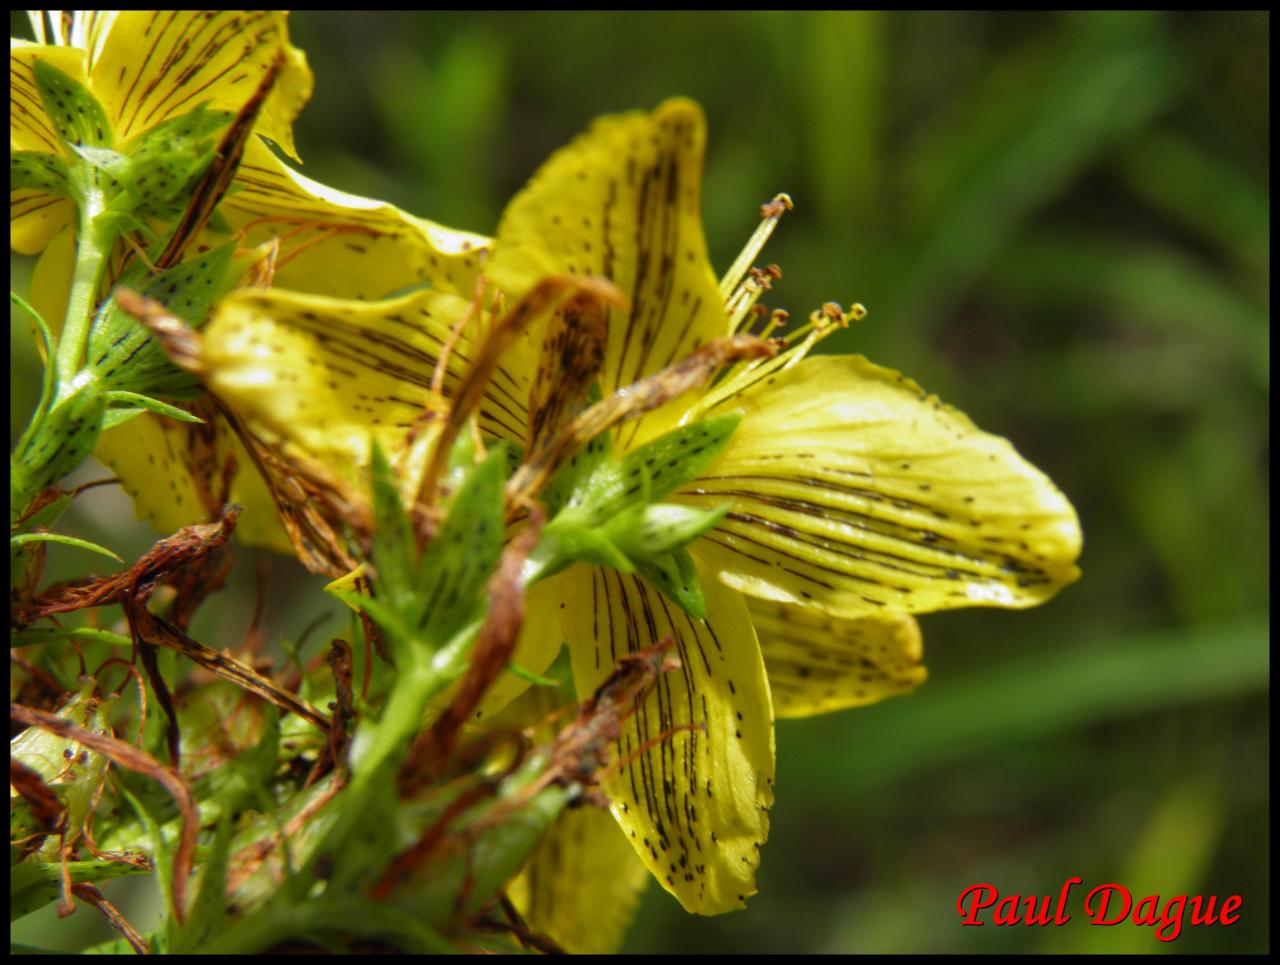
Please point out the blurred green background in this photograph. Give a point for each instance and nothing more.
(1060, 223)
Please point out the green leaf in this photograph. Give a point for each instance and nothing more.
(458, 562)
(153, 405)
(660, 466)
(22, 539)
(38, 171)
(167, 159)
(676, 577)
(161, 858)
(38, 635)
(209, 908)
(49, 346)
(122, 353)
(658, 529)
(76, 114)
(394, 551)
(56, 444)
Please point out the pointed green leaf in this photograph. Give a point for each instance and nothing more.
(121, 351)
(48, 345)
(76, 114)
(153, 405)
(209, 908)
(662, 527)
(394, 549)
(457, 563)
(676, 577)
(24, 538)
(39, 172)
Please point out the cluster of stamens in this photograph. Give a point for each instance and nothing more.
(742, 287)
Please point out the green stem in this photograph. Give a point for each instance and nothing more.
(91, 260)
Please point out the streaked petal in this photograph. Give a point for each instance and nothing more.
(327, 373)
(345, 245)
(693, 802)
(623, 201)
(818, 663)
(154, 65)
(855, 491)
(582, 884)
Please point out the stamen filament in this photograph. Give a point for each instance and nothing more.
(739, 379)
(771, 213)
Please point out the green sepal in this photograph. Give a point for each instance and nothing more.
(169, 158)
(569, 484)
(38, 171)
(676, 577)
(122, 353)
(161, 857)
(652, 470)
(677, 457)
(457, 563)
(394, 551)
(152, 405)
(77, 116)
(650, 532)
(56, 444)
(110, 169)
(118, 417)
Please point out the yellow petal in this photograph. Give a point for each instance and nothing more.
(150, 456)
(855, 491)
(175, 480)
(695, 803)
(52, 276)
(819, 663)
(540, 640)
(334, 243)
(623, 201)
(151, 66)
(35, 217)
(582, 885)
(325, 374)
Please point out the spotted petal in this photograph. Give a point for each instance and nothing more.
(623, 201)
(149, 66)
(694, 802)
(334, 243)
(324, 372)
(818, 663)
(855, 491)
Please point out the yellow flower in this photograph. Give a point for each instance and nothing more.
(856, 499)
(148, 67)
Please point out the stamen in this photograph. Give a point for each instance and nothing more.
(743, 301)
(794, 347)
(771, 213)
